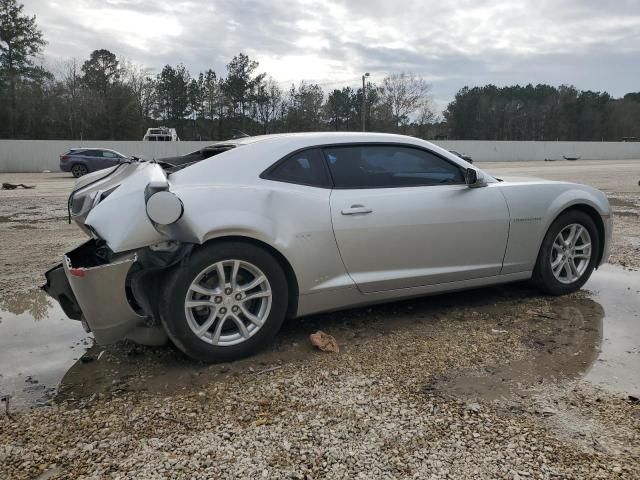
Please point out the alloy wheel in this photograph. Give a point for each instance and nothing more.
(571, 253)
(228, 302)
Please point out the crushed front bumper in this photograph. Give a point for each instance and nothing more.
(95, 291)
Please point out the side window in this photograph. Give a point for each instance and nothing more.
(384, 166)
(304, 168)
(108, 154)
(92, 153)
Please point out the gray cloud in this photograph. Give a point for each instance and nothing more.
(587, 43)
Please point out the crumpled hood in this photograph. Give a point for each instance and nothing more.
(113, 206)
(85, 180)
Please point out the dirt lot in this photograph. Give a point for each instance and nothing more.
(492, 383)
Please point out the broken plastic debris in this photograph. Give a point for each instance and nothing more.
(13, 186)
(324, 342)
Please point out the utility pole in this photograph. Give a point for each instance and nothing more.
(364, 102)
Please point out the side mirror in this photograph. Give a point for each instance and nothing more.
(472, 179)
(470, 176)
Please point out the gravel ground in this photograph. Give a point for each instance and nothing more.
(481, 384)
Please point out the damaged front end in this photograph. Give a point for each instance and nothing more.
(94, 286)
(111, 282)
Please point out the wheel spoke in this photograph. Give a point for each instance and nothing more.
(572, 234)
(260, 294)
(207, 324)
(234, 273)
(576, 234)
(195, 287)
(199, 303)
(222, 280)
(583, 246)
(556, 262)
(574, 270)
(240, 324)
(566, 269)
(216, 334)
(251, 317)
(253, 284)
(558, 269)
(582, 255)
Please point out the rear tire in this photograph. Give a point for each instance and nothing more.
(78, 170)
(568, 254)
(219, 320)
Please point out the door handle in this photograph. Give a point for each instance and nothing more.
(356, 210)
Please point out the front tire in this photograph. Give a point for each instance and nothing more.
(226, 301)
(568, 254)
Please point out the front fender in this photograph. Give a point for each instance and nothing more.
(533, 207)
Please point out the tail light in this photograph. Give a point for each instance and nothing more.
(64, 158)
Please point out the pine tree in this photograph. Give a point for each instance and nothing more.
(20, 42)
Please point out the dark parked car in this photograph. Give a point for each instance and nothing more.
(80, 161)
(463, 156)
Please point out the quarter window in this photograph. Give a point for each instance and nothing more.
(384, 166)
(304, 168)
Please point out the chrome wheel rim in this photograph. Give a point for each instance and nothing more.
(228, 302)
(571, 253)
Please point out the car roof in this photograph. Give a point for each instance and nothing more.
(83, 149)
(324, 137)
(243, 165)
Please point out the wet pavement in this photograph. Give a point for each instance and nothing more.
(38, 344)
(594, 335)
(617, 367)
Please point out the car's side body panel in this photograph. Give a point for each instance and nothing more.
(293, 219)
(420, 235)
(325, 301)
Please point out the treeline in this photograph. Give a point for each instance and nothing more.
(105, 97)
(542, 112)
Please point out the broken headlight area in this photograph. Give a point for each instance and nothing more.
(163, 207)
(115, 295)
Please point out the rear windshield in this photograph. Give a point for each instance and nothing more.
(205, 153)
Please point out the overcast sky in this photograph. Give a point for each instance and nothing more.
(593, 44)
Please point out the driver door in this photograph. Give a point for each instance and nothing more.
(403, 217)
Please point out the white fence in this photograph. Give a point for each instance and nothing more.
(39, 155)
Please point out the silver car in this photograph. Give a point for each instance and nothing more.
(214, 255)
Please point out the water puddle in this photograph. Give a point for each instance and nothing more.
(595, 335)
(617, 367)
(38, 344)
(595, 338)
